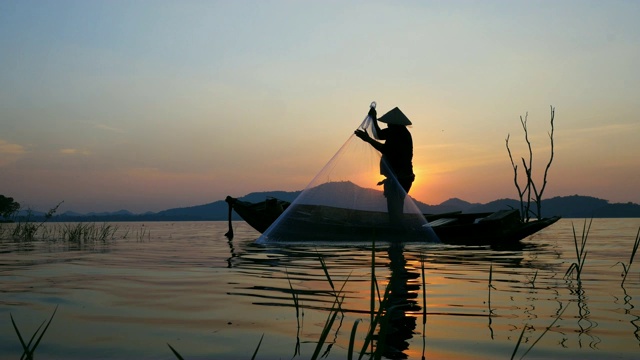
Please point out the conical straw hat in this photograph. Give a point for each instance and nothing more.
(396, 117)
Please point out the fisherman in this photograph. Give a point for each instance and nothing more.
(397, 154)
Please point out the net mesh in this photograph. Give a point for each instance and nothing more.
(346, 202)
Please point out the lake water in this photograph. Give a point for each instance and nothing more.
(185, 284)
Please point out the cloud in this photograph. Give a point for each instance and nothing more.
(71, 151)
(109, 128)
(7, 148)
(10, 152)
(609, 129)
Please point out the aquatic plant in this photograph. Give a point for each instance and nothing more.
(82, 232)
(379, 307)
(424, 291)
(142, 233)
(175, 352)
(376, 320)
(533, 281)
(28, 351)
(336, 308)
(25, 229)
(515, 350)
(581, 253)
(296, 298)
(525, 206)
(489, 287)
(626, 268)
(179, 357)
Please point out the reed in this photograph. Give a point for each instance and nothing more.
(352, 339)
(374, 283)
(424, 291)
(28, 351)
(296, 298)
(255, 352)
(627, 267)
(175, 352)
(179, 357)
(142, 233)
(533, 281)
(333, 313)
(490, 286)
(377, 316)
(581, 253)
(539, 337)
(26, 229)
(85, 232)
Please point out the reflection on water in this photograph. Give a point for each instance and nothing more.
(210, 297)
(399, 326)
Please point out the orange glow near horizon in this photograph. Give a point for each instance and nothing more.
(419, 189)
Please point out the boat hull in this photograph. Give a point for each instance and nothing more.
(502, 227)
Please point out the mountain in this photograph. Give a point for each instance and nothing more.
(453, 204)
(574, 206)
(261, 196)
(115, 213)
(212, 211)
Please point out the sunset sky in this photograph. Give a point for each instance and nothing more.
(150, 105)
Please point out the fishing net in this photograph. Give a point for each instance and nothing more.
(347, 201)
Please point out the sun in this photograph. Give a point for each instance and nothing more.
(419, 189)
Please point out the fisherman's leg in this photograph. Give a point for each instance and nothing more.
(395, 202)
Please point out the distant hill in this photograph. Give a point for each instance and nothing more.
(574, 206)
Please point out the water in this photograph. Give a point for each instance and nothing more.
(186, 285)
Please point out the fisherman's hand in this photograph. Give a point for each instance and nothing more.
(362, 134)
(373, 113)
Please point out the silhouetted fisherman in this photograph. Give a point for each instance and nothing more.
(397, 155)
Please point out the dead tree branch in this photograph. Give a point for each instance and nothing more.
(525, 194)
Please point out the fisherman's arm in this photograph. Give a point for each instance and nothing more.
(362, 134)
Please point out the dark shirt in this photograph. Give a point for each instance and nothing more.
(397, 151)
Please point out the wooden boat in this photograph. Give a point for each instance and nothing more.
(501, 227)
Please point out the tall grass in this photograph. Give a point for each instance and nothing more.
(379, 307)
(179, 357)
(489, 287)
(581, 253)
(424, 291)
(142, 233)
(336, 308)
(627, 267)
(533, 281)
(296, 299)
(84, 232)
(28, 350)
(25, 229)
(515, 350)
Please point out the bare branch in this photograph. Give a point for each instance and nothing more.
(528, 167)
(515, 178)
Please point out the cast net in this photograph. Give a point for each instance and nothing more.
(345, 202)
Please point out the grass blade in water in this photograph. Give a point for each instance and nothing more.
(175, 352)
(352, 339)
(257, 348)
